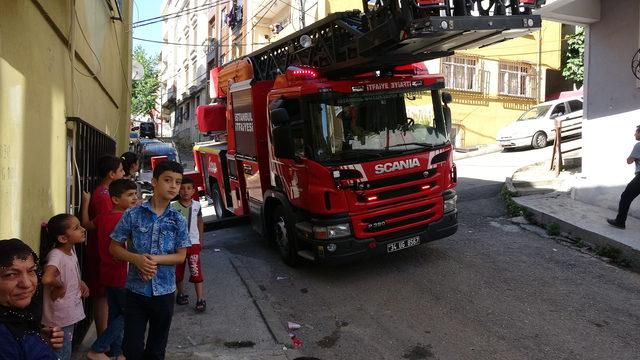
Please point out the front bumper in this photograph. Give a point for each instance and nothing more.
(515, 142)
(350, 249)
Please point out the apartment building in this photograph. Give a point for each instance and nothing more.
(183, 67)
(492, 86)
(65, 82)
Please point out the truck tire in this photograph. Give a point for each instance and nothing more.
(284, 237)
(216, 198)
(539, 140)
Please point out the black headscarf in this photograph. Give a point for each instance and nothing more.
(20, 322)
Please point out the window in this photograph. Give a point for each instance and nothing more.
(517, 80)
(575, 105)
(559, 110)
(461, 73)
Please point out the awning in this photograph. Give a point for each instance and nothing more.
(575, 12)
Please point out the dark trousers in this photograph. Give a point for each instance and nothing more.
(630, 192)
(140, 310)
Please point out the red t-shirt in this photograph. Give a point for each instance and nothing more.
(113, 273)
(100, 201)
(100, 204)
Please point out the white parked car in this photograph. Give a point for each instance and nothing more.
(536, 127)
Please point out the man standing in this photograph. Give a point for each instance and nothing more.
(633, 188)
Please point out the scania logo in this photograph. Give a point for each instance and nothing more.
(397, 165)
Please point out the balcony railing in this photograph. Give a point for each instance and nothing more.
(170, 97)
(212, 50)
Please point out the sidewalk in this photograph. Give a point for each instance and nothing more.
(239, 323)
(463, 153)
(548, 199)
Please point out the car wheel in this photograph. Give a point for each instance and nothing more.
(539, 140)
(284, 237)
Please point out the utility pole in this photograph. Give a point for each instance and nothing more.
(302, 22)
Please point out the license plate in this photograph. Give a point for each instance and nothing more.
(403, 244)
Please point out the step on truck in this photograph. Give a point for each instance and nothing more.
(335, 139)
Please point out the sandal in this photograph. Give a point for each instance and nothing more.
(201, 306)
(182, 299)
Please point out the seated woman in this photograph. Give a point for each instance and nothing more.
(21, 334)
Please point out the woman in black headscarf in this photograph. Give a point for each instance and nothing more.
(21, 334)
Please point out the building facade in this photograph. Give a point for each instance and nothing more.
(612, 94)
(64, 100)
(492, 86)
(183, 67)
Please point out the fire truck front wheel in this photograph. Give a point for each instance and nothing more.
(216, 198)
(284, 237)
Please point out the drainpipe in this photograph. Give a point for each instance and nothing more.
(539, 64)
(72, 57)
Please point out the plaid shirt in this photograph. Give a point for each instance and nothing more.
(147, 233)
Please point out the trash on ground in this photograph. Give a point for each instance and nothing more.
(281, 278)
(293, 326)
(295, 342)
(216, 250)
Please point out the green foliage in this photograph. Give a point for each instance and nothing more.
(574, 68)
(513, 209)
(553, 229)
(609, 252)
(145, 90)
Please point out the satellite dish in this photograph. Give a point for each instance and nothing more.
(137, 71)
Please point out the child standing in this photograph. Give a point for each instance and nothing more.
(157, 240)
(192, 213)
(62, 303)
(113, 272)
(109, 169)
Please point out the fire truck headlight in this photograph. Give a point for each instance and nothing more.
(331, 231)
(450, 203)
(332, 247)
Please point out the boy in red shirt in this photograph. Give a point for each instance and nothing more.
(109, 169)
(113, 273)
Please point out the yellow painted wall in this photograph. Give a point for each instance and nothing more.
(38, 90)
(480, 119)
(525, 48)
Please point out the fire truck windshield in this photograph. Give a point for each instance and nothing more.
(364, 126)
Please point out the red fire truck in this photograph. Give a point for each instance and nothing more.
(332, 142)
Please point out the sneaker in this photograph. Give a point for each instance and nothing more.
(615, 223)
(182, 299)
(201, 306)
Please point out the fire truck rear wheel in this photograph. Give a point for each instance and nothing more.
(216, 198)
(283, 236)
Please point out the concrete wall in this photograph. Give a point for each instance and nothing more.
(39, 88)
(612, 105)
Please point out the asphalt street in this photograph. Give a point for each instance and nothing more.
(492, 291)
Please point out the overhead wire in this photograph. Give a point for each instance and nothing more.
(177, 14)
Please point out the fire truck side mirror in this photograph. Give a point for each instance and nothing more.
(282, 142)
(279, 116)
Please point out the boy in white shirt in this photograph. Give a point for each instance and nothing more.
(192, 212)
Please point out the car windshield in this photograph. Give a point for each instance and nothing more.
(348, 127)
(534, 113)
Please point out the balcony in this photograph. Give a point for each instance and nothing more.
(212, 51)
(169, 99)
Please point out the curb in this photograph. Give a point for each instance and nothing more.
(481, 151)
(268, 314)
(591, 238)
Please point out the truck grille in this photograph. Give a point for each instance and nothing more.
(397, 218)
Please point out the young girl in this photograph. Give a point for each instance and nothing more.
(62, 304)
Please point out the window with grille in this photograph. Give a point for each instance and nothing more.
(461, 73)
(517, 80)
